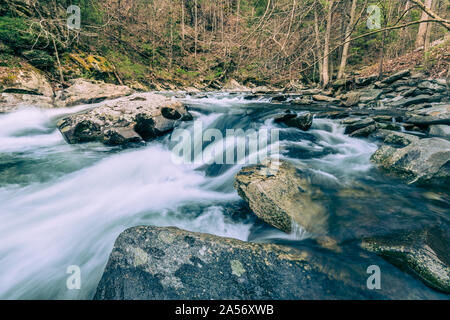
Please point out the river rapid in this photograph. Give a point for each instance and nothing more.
(63, 205)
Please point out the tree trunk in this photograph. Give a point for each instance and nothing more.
(429, 28)
(326, 51)
(318, 44)
(420, 40)
(347, 44)
(383, 41)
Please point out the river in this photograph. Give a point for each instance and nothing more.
(63, 205)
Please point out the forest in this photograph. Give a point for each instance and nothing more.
(187, 42)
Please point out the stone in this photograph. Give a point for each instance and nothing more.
(234, 86)
(151, 263)
(324, 98)
(440, 130)
(133, 119)
(406, 102)
(423, 161)
(24, 81)
(279, 193)
(360, 124)
(369, 95)
(301, 121)
(84, 91)
(364, 132)
(424, 252)
(397, 76)
(438, 114)
(351, 98)
(13, 101)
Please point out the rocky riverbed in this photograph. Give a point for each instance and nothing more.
(361, 179)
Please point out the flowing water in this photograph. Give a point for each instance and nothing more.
(63, 205)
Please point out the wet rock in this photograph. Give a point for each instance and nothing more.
(396, 139)
(301, 121)
(168, 263)
(425, 253)
(364, 132)
(440, 130)
(438, 114)
(84, 91)
(424, 161)
(134, 119)
(280, 194)
(360, 124)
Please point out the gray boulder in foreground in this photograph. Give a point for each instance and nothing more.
(279, 193)
(425, 253)
(132, 119)
(168, 263)
(424, 161)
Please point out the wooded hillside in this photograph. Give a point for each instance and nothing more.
(188, 42)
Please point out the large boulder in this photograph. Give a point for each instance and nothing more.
(424, 161)
(234, 86)
(281, 194)
(168, 263)
(438, 114)
(301, 121)
(134, 119)
(353, 125)
(424, 252)
(13, 101)
(84, 91)
(24, 87)
(24, 81)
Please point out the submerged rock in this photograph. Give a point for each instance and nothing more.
(280, 194)
(84, 91)
(169, 263)
(135, 119)
(424, 252)
(422, 161)
(301, 121)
